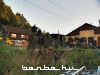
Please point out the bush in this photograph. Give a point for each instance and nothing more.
(12, 58)
(7, 56)
(82, 57)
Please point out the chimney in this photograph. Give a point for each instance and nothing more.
(58, 31)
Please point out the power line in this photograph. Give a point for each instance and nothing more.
(47, 10)
(59, 6)
(56, 4)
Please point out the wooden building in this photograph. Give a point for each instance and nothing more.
(87, 33)
(16, 35)
(57, 39)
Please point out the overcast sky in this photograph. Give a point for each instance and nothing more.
(54, 15)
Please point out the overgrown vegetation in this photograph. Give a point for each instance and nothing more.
(12, 59)
(82, 57)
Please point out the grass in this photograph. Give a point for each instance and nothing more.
(82, 57)
(12, 59)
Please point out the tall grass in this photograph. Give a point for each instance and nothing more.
(12, 59)
(7, 56)
(81, 57)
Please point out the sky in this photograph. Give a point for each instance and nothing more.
(54, 15)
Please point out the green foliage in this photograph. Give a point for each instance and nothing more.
(82, 57)
(47, 35)
(31, 42)
(39, 32)
(0, 34)
(55, 46)
(7, 17)
(34, 28)
(27, 26)
(7, 56)
(12, 58)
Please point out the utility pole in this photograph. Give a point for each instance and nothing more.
(99, 23)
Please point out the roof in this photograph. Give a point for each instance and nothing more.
(17, 30)
(54, 35)
(85, 26)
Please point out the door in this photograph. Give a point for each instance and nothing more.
(90, 40)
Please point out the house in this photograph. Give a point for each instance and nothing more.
(16, 35)
(57, 39)
(60, 38)
(87, 33)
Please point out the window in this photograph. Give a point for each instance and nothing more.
(22, 36)
(21, 41)
(13, 35)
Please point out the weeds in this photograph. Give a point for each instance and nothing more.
(12, 59)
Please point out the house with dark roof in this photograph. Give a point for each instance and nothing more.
(87, 33)
(16, 35)
(57, 39)
(60, 38)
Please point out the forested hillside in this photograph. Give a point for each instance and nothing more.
(7, 17)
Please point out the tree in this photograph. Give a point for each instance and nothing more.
(47, 35)
(34, 28)
(3, 14)
(27, 26)
(12, 18)
(39, 33)
(22, 22)
(7, 17)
